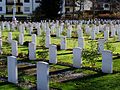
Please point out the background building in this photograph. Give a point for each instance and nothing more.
(75, 9)
(71, 9)
(24, 8)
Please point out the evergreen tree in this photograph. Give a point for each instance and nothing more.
(48, 9)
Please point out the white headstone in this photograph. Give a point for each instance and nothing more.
(34, 38)
(87, 29)
(42, 76)
(80, 32)
(63, 44)
(38, 31)
(53, 29)
(113, 31)
(107, 61)
(12, 26)
(101, 27)
(77, 60)
(81, 42)
(14, 48)
(32, 51)
(69, 31)
(101, 45)
(58, 33)
(106, 34)
(48, 31)
(93, 36)
(117, 28)
(61, 27)
(22, 29)
(47, 38)
(97, 29)
(10, 37)
(47, 41)
(30, 29)
(8, 26)
(21, 38)
(118, 35)
(12, 69)
(2, 26)
(53, 54)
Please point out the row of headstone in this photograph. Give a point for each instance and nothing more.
(106, 60)
(42, 73)
(43, 68)
(63, 43)
(68, 22)
(92, 31)
(77, 59)
(33, 45)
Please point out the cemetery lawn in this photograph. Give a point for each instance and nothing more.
(62, 75)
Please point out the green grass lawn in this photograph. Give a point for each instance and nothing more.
(62, 75)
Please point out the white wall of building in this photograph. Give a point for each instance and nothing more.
(31, 5)
(27, 7)
(3, 5)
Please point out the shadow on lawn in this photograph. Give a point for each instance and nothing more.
(65, 53)
(9, 86)
(3, 57)
(71, 69)
(26, 67)
(59, 63)
(87, 77)
(62, 71)
(116, 56)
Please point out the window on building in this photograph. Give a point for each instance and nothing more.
(27, 1)
(0, 8)
(37, 1)
(27, 9)
(0, 0)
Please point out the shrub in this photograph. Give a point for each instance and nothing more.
(109, 46)
(6, 51)
(44, 53)
(90, 55)
(16, 37)
(64, 33)
(74, 34)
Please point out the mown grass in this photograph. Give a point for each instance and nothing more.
(94, 79)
